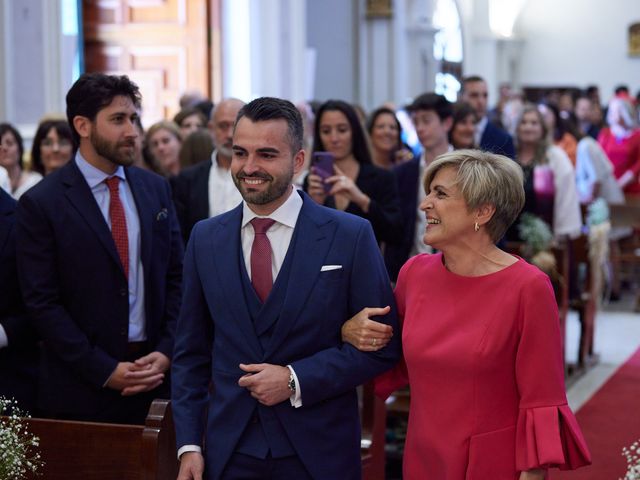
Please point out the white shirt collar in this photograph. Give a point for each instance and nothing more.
(94, 176)
(286, 214)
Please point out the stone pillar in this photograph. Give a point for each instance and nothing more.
(264, 48)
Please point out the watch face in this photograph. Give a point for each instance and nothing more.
(292, 384)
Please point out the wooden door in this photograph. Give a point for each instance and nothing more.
(162, 45)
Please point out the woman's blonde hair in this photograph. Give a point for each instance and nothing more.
(485, 178)
(164, 125)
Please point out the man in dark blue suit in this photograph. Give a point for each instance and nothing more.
(489, 137)
(99, 259)
(267, 288)
(18, 342)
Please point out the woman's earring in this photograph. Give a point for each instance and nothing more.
(476, 227)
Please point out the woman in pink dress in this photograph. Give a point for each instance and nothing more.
(480, 335)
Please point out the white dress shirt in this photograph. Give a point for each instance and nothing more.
(223, 194)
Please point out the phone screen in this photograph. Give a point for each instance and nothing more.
(322, 163)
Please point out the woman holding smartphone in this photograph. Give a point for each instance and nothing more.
(356, 185)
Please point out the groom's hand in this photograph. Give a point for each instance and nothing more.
(269, 384)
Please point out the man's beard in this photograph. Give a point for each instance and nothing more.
(225, 150)
(113, 152)
(276, 189)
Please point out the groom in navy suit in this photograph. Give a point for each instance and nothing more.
(267, 288)
(100, 265)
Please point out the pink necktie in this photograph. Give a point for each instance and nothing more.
(261, 277)
(118, 223)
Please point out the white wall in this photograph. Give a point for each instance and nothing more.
(578, 42)
(332, 32)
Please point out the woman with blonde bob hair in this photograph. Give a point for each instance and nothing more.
(480, 334)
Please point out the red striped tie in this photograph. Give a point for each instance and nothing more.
(261, 277)
(118, 223)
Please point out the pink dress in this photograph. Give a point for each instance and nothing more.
(483, 359)
(624, 154)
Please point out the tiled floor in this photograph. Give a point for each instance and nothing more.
(617, 336)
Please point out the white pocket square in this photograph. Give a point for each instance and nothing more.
(326, 268)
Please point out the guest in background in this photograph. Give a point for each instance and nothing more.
(385, 132)
(189, 120)
(463, 127)
(11, 153)
(585, 114)
(621, 142)
(431, 115)
(488, 137)
(206, 189)
(197, 147)
(482, 348)
(164, 141)
(357, 186)
(143, 158)
(52, 146)
(549, 178)
(594, 174)
(559, 130)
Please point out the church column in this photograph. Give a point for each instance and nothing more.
(264, 48)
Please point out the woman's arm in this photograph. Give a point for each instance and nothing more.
(365, 334)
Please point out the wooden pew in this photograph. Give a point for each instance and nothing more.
(373, 415)
(586, 303)
(626, 252)
(100, 451)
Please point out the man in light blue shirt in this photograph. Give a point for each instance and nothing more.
(100, 260)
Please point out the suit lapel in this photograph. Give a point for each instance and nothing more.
(80, 196)
(313, 237)
(144, 203)
(226, 254)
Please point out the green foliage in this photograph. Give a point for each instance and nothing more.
(535, 234)
(597, 212)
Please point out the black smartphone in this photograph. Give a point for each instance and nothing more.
(322, 165)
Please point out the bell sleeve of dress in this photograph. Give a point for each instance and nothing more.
(397, 377)
(547, 433)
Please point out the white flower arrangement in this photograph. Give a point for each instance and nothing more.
(632, 455)
(18, 455)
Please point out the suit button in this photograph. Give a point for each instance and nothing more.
(123, 331)
(123, 292)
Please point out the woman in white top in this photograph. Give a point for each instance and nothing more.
(11, 153)
(550, 185)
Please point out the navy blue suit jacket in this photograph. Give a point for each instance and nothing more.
(18, 361)
(408, 178)
(496, 140)
(215, 334)
(75, 289)
(191, 196)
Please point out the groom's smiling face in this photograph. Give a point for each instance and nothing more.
(263, 164)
